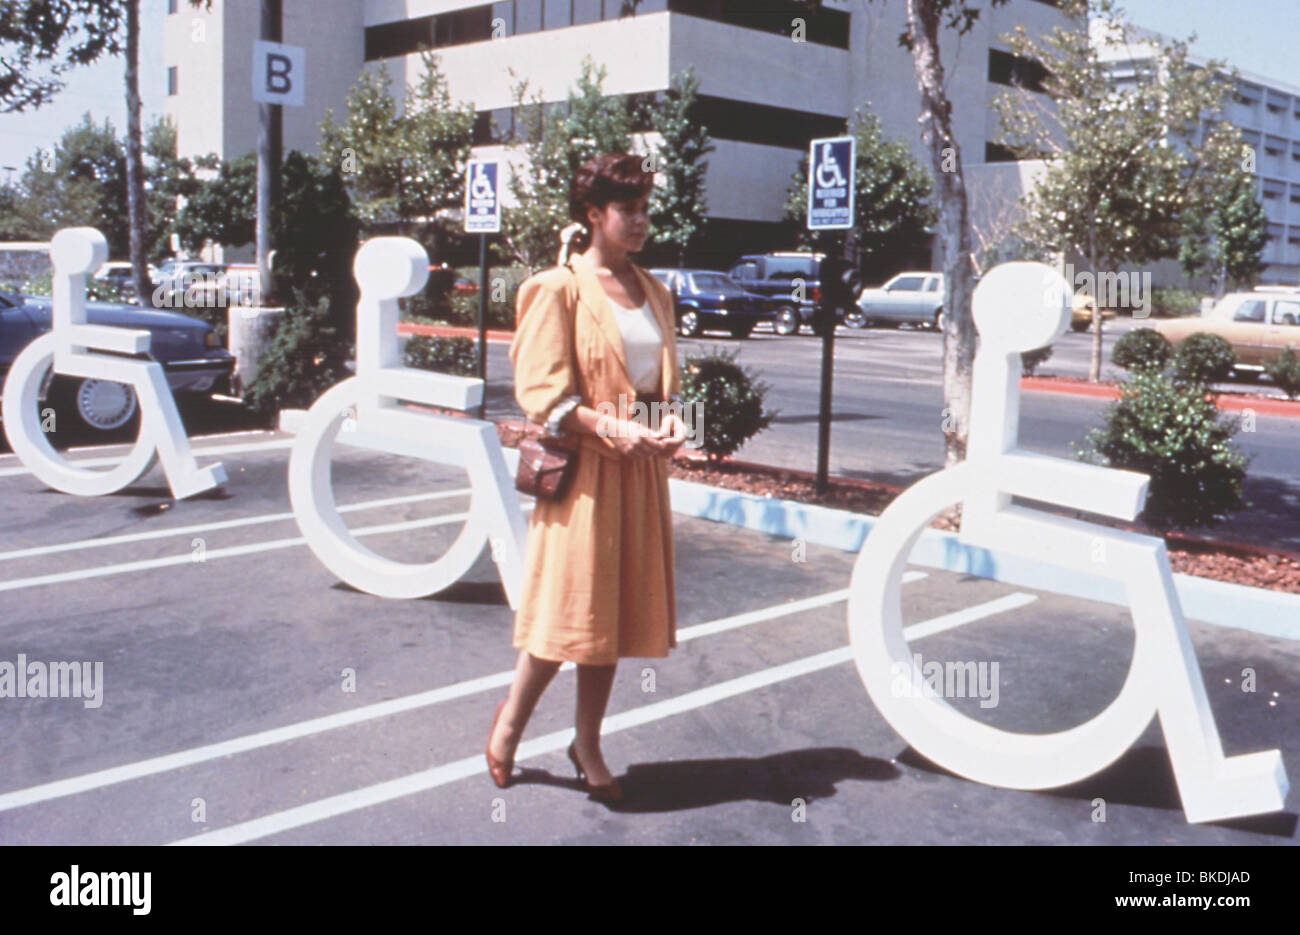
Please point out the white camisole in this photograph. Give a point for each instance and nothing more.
(643, 344)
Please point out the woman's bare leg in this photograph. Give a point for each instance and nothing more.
(532, 675)
(594, 685)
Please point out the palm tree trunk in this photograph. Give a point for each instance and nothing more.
(923, 20)
(136, 206)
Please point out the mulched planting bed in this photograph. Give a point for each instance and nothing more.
(1236, 563)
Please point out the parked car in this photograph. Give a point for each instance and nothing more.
(188, 350)
(1258, 325)
(790, 281)
(908, 298)
(706, 300)
(190, 283)
(119, 274)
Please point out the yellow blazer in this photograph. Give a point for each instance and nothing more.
(598, 574)
(554, 304)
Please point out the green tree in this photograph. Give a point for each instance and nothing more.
(677, 207)
(402, 166)
(46, 38)
(1129, 168)
(554, 146)
(1226, 236)
(314, 223)
(81, 182)
(893, 216)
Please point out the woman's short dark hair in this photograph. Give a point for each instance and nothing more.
(611, 177)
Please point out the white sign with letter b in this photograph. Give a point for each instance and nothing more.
(279, 73)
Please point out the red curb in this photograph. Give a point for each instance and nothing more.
(1261, 405)
(452, 331)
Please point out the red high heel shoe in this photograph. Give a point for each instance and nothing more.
(609, 792)
(500, 769)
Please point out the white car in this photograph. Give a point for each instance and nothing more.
(120, 274)
(911, 298)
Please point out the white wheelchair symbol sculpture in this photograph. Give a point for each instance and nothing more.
(1017, 307)
(79, 349)
(386, 269)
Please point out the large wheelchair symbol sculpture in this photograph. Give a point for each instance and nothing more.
(79, 349)
(1017, 307)
(386, 269)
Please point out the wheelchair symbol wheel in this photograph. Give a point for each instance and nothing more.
(29, 442)
(929, 723)
(312, 495)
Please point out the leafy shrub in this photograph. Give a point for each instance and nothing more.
(96, 289)
(1285, 373)
(1175, 303)
(1204, 358)
(1140, 349)
(1171, 430)
(306, 356)
(463, 310)
(730, 399)
(457, 356)
(1032, 360)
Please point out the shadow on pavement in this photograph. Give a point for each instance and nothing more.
(779, 779)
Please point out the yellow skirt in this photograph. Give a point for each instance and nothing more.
(598, 570)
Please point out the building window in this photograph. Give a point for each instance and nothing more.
(506, 13)
(172, 79)
(401, 38)
(588, 11)
(1015, 71)
(557, 14)
(996, 152)
(528, 16)
(823, 25)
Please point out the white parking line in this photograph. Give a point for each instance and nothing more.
(210, 527)
(342, 804)
(161, 764)
(124, 568)
(203, 452)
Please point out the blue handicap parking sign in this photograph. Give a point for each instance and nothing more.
(482, 199)
(830, 183)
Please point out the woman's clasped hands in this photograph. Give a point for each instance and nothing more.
(633, 439)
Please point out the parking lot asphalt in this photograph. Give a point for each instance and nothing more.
(248, 696)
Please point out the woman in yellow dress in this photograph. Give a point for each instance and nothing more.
(593, 336)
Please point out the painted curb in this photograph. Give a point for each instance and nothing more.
(453, 331)
(1271, 613)
(1228, 402)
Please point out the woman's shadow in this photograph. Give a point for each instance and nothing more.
(780, 779)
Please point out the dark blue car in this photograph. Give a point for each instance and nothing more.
(189, 351)
(707, 300)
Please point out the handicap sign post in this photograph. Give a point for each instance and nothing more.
(830, 183)
(831, 164)
(483, 217)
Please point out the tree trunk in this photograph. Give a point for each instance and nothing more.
(923, 21)
(137, 208)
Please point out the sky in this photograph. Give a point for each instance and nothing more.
(1255, 35)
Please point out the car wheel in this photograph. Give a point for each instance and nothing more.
(856, 319)
(688, 325)
(937, 324)
(741, 330)
(102, 405)
(787, 320)
(1080, 326)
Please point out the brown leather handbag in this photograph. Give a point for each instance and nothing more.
(545, 467)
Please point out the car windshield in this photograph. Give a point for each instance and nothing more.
(714, 282)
